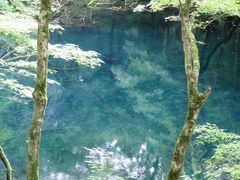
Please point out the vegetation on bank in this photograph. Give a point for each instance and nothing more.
(227, 7)
(74, 12)
(213, 7)
(223, 161)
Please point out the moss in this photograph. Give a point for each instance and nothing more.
(40, 94)
(33, 170)
(47, 15)
(194, 50)
(31, 135)
(45, 30)
(46, 4)
(40, 87)
(195, 56)
(185, 8)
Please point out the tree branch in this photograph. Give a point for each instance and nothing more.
(18, 57)
(7, 54)
(6, 164)
(203, 97)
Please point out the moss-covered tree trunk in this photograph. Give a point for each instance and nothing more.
(40, 90)
(195, 98)
(6, 163)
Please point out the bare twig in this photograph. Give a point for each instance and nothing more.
(7, 54)
(214, 19)
(60, 7)
(18, 57)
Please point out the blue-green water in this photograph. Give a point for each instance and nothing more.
(138, 96)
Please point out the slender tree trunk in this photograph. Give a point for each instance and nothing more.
(6, 163)
(195, 98)
(40, 91)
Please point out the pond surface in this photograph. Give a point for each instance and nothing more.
(137, 98)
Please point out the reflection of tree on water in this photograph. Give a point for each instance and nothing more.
(146, 82)
(110, 163)
(227, 37)
(137, 96)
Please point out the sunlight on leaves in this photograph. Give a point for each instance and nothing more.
(73, 52)
(223, 162)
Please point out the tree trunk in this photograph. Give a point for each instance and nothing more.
(40, 91)
(195, 98)
(6, 163)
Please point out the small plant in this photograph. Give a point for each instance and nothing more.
(224, 161)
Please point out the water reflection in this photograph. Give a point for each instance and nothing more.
(138, 96)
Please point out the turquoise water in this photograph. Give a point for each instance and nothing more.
(137, 96)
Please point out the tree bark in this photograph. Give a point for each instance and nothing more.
(6, 163)
(40, 90)
(195, 98)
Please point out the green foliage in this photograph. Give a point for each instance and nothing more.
(22, 64)
(112, 3)
(213, 7)
(224, 162)
(227, 7)
(19, 44)
(4, 6)
(210, 133)
(73, 52)
(16, 34)
(16, 88)
(158, 5)
(12, 36)
(205, 11)
(17, 5)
